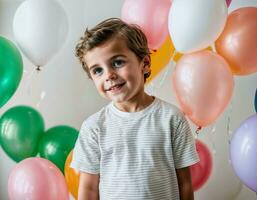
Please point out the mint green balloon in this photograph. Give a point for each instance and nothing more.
(11, 68)
(56, 144)
(21, 128)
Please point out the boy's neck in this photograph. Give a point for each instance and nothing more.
(135, 105)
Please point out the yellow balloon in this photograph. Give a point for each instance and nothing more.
(160, 58)
(71, 177)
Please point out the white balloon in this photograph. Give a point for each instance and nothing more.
(40, 28)
(196, 24)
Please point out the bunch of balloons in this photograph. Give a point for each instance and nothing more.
(203, 81)
(22, 136)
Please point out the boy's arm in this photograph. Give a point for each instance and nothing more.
(88, 186)
(185, 184)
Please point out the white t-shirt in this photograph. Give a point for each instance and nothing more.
(136, 154)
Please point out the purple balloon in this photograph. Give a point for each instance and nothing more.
(228, 2)
(243, 152)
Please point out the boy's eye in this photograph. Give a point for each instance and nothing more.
(97, 71)
(118, 63)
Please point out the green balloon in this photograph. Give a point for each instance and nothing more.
(21, 128)
(11, 69)
(57, 143)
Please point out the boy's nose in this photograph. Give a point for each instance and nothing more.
(110, 74)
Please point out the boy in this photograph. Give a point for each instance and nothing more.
(138, 147)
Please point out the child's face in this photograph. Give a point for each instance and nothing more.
(117, 72)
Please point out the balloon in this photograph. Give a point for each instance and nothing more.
(56, 144)
(71, 177)
(201, 171)
(37, 179)
(243, 151)
(195, 25)
(228, 2)
(40, 28)
(11, 68)
(21, 128)
(203, 85)
(255, 100)
(238, 42)
(151, 16)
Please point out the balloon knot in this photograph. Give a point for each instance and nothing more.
(38, 68)
(198, 130)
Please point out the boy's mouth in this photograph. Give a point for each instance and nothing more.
(115, 87)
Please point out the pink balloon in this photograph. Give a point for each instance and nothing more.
(203, 84)
(151, 16)
(201, 171)
(37, 179)
(228, 2)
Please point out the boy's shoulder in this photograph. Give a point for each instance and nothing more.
(170, 108)
(96, 119)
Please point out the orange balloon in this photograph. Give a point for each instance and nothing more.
(238, 42)
(71, 177)
(203, 84)
(160, 58)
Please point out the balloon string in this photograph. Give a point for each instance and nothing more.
(29, 82)
(213, 131)
(173, 55)
(163, 78)
(42, 96)
(229, 132)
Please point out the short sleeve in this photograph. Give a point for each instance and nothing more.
(184, 150)
(86, 154)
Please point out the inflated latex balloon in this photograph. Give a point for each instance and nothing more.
(56, 144)
(11, 68)
(243, 151)
(40, 28)
(151, 16)
(201, 171)
(21, 128)
(71, 177)
(37, 179)
(203, 85)
(195, 25)
(238, 42)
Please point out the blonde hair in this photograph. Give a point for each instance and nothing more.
(135, 39)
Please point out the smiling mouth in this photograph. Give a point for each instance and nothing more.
(115, 87)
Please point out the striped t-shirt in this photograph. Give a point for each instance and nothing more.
(136, 154)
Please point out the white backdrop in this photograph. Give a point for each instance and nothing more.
(64, 95)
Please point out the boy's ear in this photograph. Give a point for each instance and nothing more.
(146, 64)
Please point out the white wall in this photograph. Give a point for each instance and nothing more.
(64, 95)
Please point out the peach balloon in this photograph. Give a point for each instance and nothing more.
(203, 84)
(71, 177)
(238, 42)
